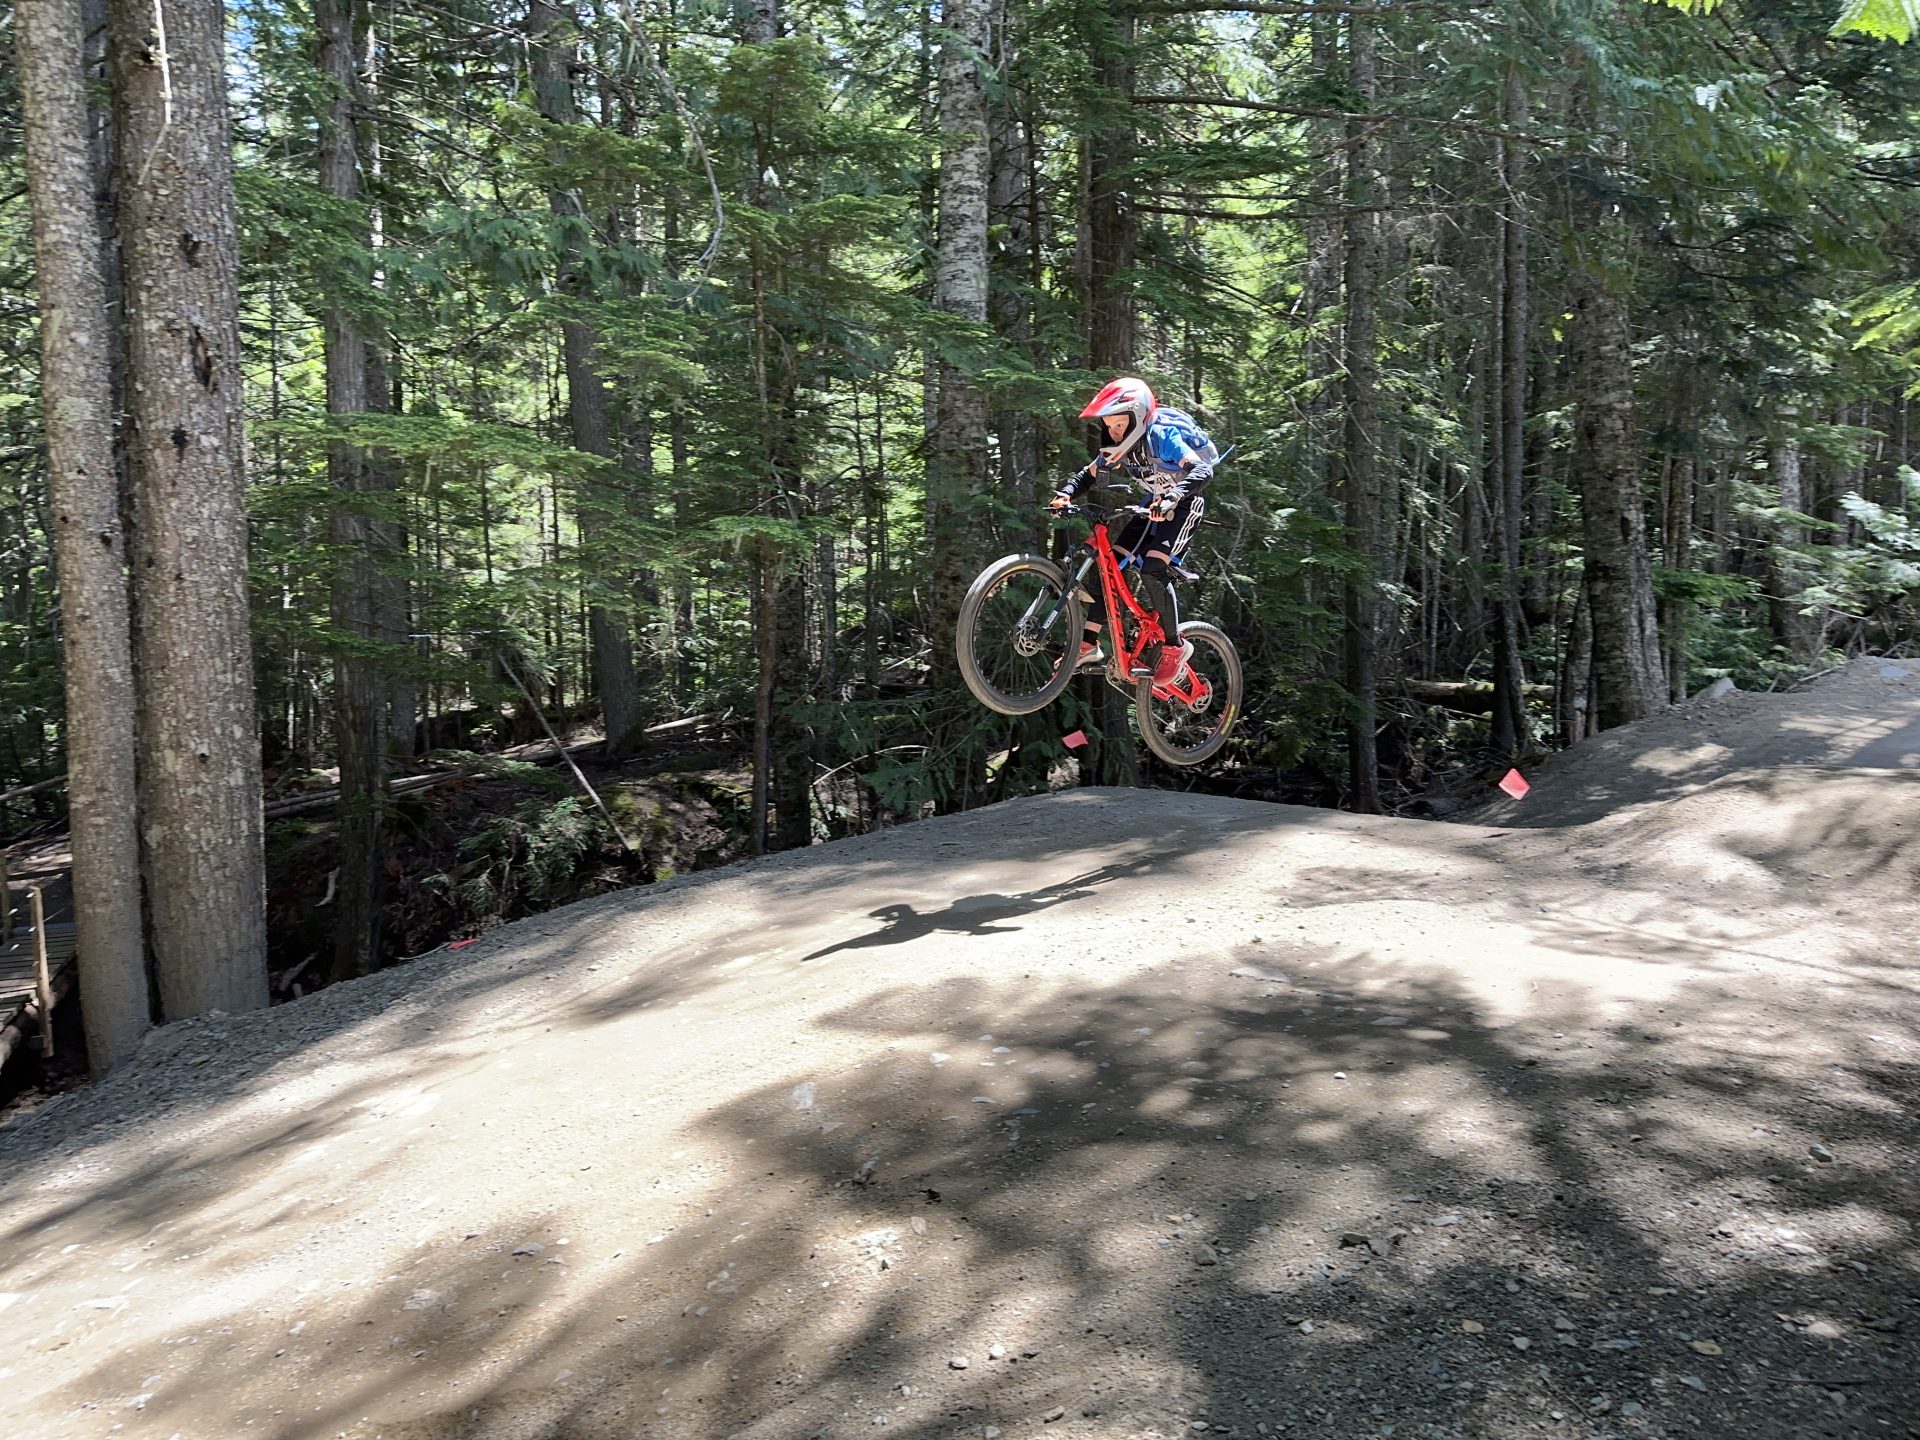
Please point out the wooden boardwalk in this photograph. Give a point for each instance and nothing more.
(20, 984)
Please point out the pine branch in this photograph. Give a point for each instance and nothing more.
(1333, 212)
(1378, 117)
(1275, 7)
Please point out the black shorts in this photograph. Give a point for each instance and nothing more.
(1173, 535)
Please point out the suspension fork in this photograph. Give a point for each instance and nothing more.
(1040, 625)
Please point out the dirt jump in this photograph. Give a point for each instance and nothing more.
(1109, 1115)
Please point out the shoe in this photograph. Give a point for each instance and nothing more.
(1090, 654)
(1173, 659)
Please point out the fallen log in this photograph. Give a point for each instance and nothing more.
(1475, 697)
(540, 753)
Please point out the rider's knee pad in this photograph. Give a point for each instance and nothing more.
(1156, 567)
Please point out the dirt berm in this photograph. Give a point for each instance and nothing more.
(1103, 1116)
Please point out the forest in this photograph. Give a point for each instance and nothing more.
(672, 366)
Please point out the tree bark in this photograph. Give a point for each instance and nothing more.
(1574, 699)
(1511, 732)
(1359, 471)
(89, 544)
(1321, 297)
(1786, 572)
(1627, 678)
(199, 747)
(760, 20)
(1110, 227)
(609, 629)
(1676, 533)
(956, 450)
(1111, 220)
(360, 693)
(1009, 209)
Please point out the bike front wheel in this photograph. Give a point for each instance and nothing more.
(1189, 721)
(1019, 634)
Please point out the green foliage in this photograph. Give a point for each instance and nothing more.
(1879, 19)
(765, 369)
(526, 861)
(1888, 557)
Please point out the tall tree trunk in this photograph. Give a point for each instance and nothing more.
(1510, 732)
(1786, 571)
(1573, 701)
(1111, 219)
(360, 692)
(392, 595)
(1676, 537)
(1110, 228)
(1322, 279)
(760, 589)
(760, 20)
(783, 746)
(610, 631)
(1009, 208)
(1360, 472)
(956, 450)
(1627, 679)
(199, 746)
(76, 341)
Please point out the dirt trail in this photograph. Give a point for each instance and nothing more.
(1109, 1115)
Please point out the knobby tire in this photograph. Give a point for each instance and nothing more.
(1005, 590)
(1183, 736)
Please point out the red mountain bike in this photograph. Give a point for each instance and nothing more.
(1019, 638)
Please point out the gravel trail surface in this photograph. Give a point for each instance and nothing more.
(1103, 1116)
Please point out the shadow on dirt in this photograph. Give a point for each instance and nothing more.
(1173, 1205)
(1358, 1199)
(979, 914)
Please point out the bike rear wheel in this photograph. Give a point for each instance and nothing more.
(1019, 634)
(1189, 722)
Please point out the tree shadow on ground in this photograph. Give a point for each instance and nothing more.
(1333, 1204)
(1196, 1200)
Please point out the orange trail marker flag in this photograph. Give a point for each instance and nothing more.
(1515, 784)
(1075, 740)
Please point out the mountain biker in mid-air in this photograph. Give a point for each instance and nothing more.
(1170, 456)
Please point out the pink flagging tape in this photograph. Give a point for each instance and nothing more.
(1075, 740)
(1515, 784)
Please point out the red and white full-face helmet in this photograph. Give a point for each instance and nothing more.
(1125, 396)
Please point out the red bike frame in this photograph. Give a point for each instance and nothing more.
(1122, 658)
(1147, 631)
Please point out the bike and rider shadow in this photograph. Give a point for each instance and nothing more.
(980, 914)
